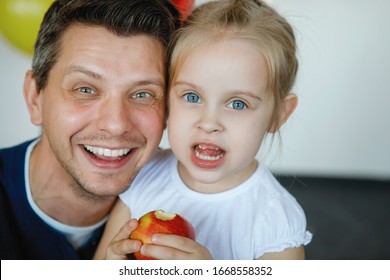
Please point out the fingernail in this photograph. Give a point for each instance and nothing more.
(154, 238)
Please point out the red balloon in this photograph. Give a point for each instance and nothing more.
(184, 6)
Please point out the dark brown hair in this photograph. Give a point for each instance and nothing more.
(156, 18)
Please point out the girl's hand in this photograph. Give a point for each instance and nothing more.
(122, 245)
(175, 247)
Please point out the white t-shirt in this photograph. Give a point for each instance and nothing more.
(254, 218)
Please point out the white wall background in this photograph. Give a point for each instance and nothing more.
(340, 127)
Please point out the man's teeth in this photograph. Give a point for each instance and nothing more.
(106, 152)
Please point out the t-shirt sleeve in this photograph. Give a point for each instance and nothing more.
(285, 226)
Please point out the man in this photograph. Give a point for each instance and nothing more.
(97, 89)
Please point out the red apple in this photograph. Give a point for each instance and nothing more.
(160, 222)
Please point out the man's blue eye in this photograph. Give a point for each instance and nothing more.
(237, 105)
(142, 95)
(142, 99)
(192, 97)
(86, 90)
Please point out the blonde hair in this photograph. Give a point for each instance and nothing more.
(250, 20)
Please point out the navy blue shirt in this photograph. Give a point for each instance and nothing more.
(24, 235)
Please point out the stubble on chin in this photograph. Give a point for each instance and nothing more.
(96, 191)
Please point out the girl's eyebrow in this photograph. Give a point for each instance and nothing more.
(246, 93)
(229, 93)
(184, 83)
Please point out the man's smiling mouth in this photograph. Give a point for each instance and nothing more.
(99, 151)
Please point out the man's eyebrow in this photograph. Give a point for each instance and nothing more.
(152, 81)
(75, 68)
(92, 74)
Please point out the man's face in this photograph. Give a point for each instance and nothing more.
(102, 111)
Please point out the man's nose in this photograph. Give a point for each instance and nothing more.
(114, 116)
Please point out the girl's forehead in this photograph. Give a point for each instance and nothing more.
(219, 46)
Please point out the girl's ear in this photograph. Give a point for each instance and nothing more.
(32, 98)
(287, 107)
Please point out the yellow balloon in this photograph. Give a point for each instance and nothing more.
(20, 21)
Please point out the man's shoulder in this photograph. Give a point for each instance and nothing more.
(12, 150)
(11, 188)
(11, 157)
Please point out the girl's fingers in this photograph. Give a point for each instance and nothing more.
(175, 241)
(175, 247)
(120, 249)
(122, 245)
(126, 230)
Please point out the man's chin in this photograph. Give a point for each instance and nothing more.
(101, 191)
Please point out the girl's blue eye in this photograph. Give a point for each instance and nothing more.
(237, 105)
(192, 97)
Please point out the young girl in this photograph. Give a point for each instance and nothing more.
(232, 67)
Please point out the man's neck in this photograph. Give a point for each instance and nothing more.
(59, 196)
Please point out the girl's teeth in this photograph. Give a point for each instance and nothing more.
(106, 152)
(213, 153)
(210, 158)
(203, 147)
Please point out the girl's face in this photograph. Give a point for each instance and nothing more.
(219, 114)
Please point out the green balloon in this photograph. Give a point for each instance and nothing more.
(20, 21)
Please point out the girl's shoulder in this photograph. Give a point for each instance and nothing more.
(161, 160)
(282, 223)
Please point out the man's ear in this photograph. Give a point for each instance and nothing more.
(32, 98)
(287, 107)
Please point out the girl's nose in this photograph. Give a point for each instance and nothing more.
(210, 122)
